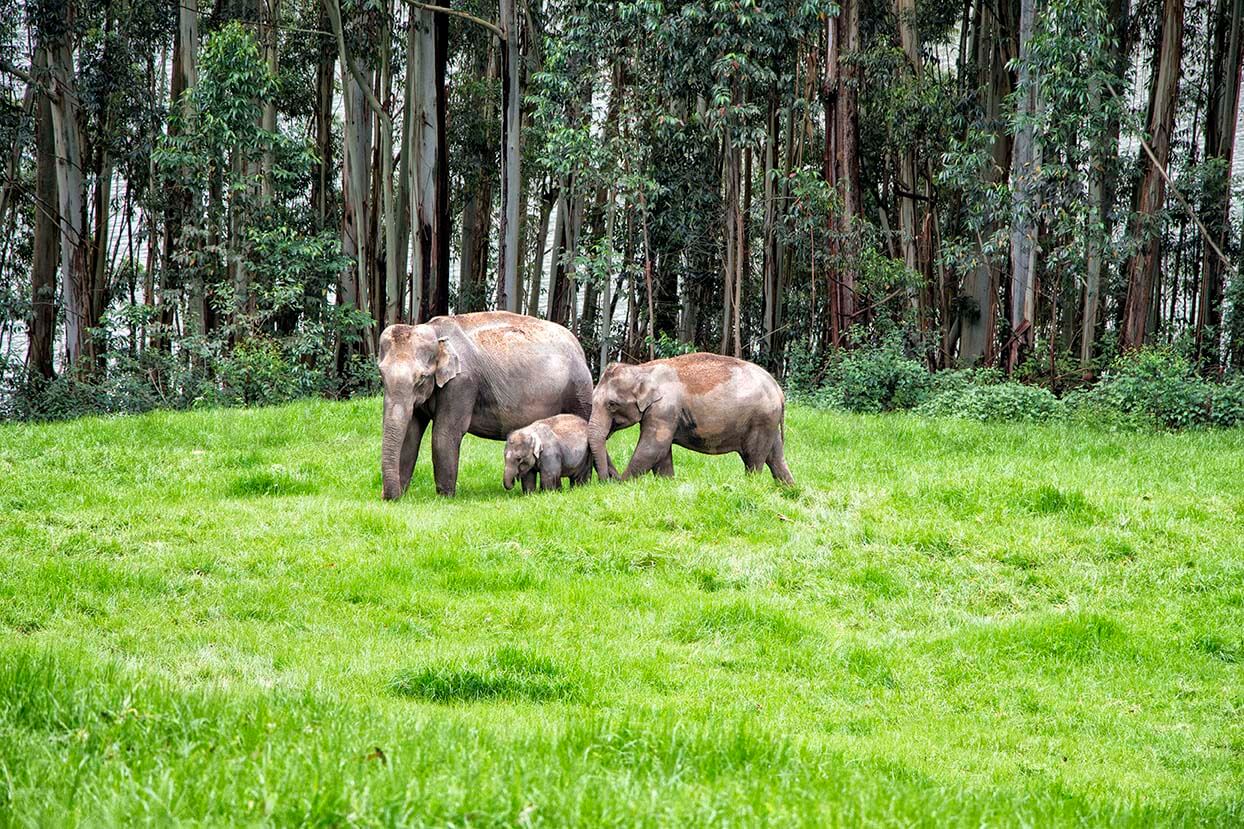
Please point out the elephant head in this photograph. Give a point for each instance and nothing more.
(522, 453)
(413, 363)
(621, 398)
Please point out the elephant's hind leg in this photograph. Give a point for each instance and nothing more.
(756, 448)
(777, 461)
(665, 467)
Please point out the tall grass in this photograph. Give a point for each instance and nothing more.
(211, 617)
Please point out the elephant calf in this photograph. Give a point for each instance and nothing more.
(555, 447)
(706, 402)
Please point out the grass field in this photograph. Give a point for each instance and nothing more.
(212, 617)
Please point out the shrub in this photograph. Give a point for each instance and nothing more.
(877, 379)
(1227, 404)
(994, 401)
(1158, 385)
(256, 373)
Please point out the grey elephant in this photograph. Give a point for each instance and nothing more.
(705, 402)
(486, 374)
(555, 448)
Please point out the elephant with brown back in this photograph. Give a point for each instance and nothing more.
(704, 402)
(486, 374)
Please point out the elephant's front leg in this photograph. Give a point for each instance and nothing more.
(656, 442)
(410, 448)
(447, 435)
(529, 481)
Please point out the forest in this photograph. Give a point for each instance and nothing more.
(227, 202)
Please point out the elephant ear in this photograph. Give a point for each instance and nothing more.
(446, 362)
(537, 445)
(646, 393)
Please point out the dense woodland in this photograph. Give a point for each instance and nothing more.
(229, 200)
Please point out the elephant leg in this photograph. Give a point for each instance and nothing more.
(777, 460)
(666, 465)
(655, 445)
(529, 482)
(410, 448)
(583, 476)
(447, 433)
(755, 450)
(550, 476)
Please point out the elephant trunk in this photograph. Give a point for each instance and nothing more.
(510, 474)
(395, 423)
(597, 433)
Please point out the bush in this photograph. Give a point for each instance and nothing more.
(1227, 405)
(256, 373)
(1160, 386)
(994, 401)
(878, 379)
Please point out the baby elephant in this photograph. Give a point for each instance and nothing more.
(705, 402)
(555, 447)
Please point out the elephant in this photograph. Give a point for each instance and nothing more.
(555, 447)
(709, 403)
(485, 373)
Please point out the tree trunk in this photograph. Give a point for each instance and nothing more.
(771, 279)
(1151, 195)
(426, 51)
(541, 241)
(321, 186)
(74, 242)
(993, 45)
(1220, 128)
(42, 329)
(905, 12)
(477, 207)
(443, 229)
(1024, 166)
(732, 238)
(1095, 240)
(511, 181)
(841, 165)
(269, 13)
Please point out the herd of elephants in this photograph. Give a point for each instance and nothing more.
(525, 380)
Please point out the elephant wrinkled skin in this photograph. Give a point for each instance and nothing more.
(486, 374)
(705, 402)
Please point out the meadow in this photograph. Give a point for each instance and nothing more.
(211, 617)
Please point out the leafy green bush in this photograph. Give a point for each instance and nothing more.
(1158, 385)
(876, 379)
(256, 373)
(993, 401)
(1227, 404)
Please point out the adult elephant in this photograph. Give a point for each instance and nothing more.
(705, 402)
(486, 374)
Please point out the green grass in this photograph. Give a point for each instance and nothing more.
(211, 617)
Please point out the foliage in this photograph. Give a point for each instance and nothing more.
(1005, 401)
(1158, 384)
(874, 379)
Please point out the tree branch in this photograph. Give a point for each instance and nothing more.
(334, 16)
(478, 21)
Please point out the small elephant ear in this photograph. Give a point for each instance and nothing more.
(537, 446)
(446, 362)
(646, 393)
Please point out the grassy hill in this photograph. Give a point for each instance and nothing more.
(212, 617)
